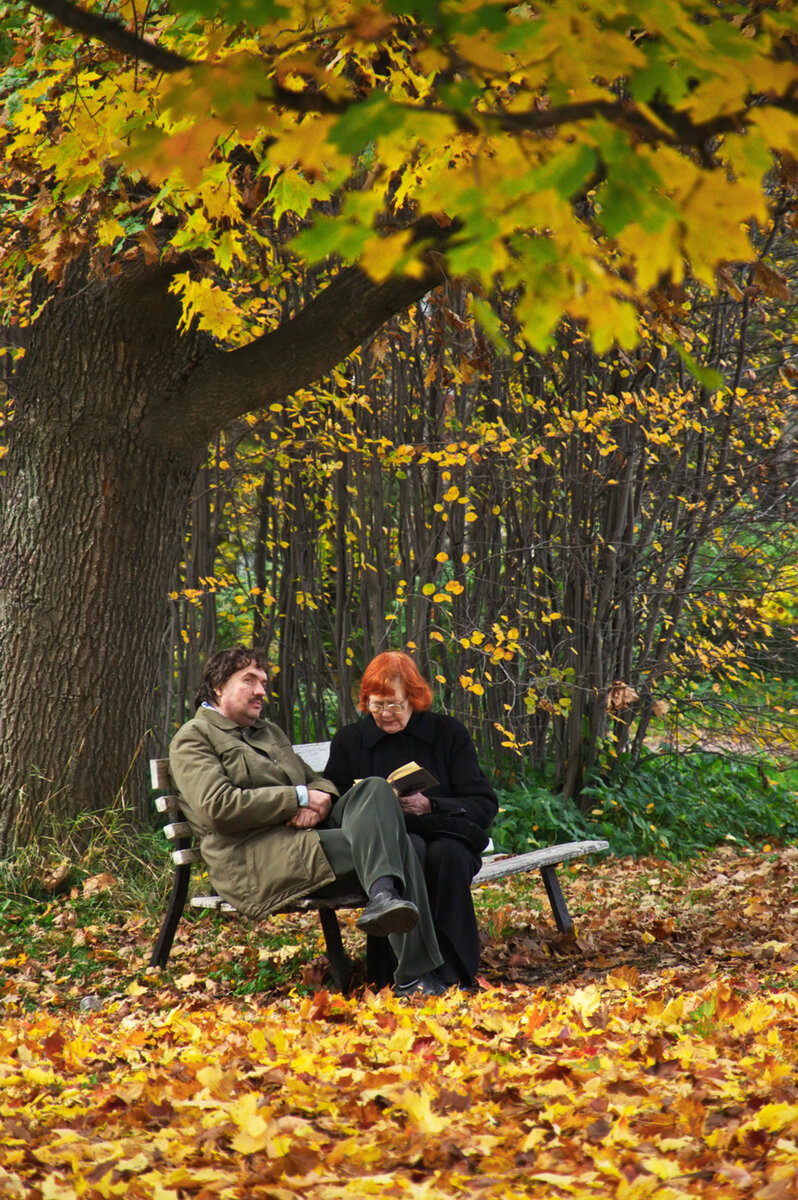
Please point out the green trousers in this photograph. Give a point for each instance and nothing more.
(364, 838)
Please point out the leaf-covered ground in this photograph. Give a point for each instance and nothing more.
(654, 1054)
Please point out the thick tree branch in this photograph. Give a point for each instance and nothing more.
(113, 34)
(228, 384)
(680, 131)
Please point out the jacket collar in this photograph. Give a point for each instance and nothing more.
(420, 725)
(221, 722)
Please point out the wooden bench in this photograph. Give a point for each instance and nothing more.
(186, 853)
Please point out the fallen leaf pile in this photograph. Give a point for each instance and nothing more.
(654, 1056)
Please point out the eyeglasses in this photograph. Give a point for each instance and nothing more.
(377, 706)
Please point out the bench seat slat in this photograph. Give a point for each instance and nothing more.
(213, 903)
(500, 866)
(182, 858)
(306, 904)
(167, 804)
(159, 774)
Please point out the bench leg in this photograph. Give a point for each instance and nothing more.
(556, 899)
(340, 965)
(177, 903)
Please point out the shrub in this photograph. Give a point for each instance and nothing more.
(668, 806)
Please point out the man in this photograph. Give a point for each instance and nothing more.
(272, 831)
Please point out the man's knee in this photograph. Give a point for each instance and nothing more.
(371, 800)
(374, 789)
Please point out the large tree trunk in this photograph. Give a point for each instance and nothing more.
(89, 540)
(114, 411)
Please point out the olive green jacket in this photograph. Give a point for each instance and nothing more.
(238, 789)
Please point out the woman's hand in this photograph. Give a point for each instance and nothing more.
(416, 803)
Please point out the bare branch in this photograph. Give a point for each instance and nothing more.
(113, 34)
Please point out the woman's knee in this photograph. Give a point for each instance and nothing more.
(419, 845)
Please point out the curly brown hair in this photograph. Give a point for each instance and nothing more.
(221, 666)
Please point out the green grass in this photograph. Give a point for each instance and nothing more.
(104, 843)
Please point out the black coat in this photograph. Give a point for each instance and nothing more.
(443, 745)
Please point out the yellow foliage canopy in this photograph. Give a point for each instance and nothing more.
(575, 152)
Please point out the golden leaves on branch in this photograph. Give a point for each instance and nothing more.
(506, 127)
(620, 697)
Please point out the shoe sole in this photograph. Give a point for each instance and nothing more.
(400, 919)
(406, 995)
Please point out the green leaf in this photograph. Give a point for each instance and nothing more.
(713, 381)
(291, 192)
(568, 172)
(424, 10)
(662, 77)
(626, 196)
(364, 122)
(330, 236)
(489, 322)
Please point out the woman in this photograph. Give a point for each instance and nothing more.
(397, 728)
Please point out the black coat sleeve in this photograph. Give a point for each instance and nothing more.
(466, 785)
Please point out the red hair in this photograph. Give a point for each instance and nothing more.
(389, 669)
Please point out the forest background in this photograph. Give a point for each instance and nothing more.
(590, 549)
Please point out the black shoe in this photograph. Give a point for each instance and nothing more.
(387, 912)
(425, 985)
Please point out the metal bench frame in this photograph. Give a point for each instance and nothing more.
(186, 853)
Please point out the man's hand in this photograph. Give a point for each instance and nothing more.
(304, 818)
(319, 805)
(320, 802)
(415, 802)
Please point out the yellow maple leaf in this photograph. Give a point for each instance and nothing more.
(663, 1168)
(418, 1106)
(774, 1118)
(585, 1000)
(381, 255)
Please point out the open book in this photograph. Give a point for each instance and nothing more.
(411, 778)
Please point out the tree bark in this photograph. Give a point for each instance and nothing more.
(114, 410)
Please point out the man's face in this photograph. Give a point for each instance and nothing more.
(241, 698)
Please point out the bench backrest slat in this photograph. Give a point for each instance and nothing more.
(159, 774)
(315, 754)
